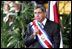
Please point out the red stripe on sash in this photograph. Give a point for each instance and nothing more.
(40, 33)
(47, 43)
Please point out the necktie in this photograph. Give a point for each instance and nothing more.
(42, 25)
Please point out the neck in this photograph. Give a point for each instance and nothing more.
(42, 20)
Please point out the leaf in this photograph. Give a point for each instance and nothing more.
(12, 42)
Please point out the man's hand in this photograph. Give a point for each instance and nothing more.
(36, 31)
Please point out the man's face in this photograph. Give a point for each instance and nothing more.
(39, 15)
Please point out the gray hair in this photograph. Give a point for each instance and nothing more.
(40, 6)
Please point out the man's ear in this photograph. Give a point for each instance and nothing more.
(45, 13)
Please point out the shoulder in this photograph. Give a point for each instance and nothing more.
(52, 23)
(31, 23)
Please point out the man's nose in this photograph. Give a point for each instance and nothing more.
(37, 15)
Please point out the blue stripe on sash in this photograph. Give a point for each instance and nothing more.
(31, 27)
(44, 32)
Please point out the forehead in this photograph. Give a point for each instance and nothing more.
(37, 9)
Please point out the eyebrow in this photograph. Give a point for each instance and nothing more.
(38, 12)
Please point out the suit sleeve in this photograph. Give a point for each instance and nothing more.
(28, 40)
(56, 36)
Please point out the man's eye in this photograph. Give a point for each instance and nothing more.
(35, 12)
(39, 12)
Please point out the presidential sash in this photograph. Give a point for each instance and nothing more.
(42, 36)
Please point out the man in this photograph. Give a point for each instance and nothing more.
(42, 33)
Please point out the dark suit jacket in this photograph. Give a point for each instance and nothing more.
(51, 28)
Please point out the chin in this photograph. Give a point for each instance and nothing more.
(39, 20)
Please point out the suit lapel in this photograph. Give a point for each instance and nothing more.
(47, 28)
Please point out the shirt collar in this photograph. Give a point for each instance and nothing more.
(44, 21)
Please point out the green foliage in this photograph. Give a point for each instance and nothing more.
(15, 38)
(66, 29)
